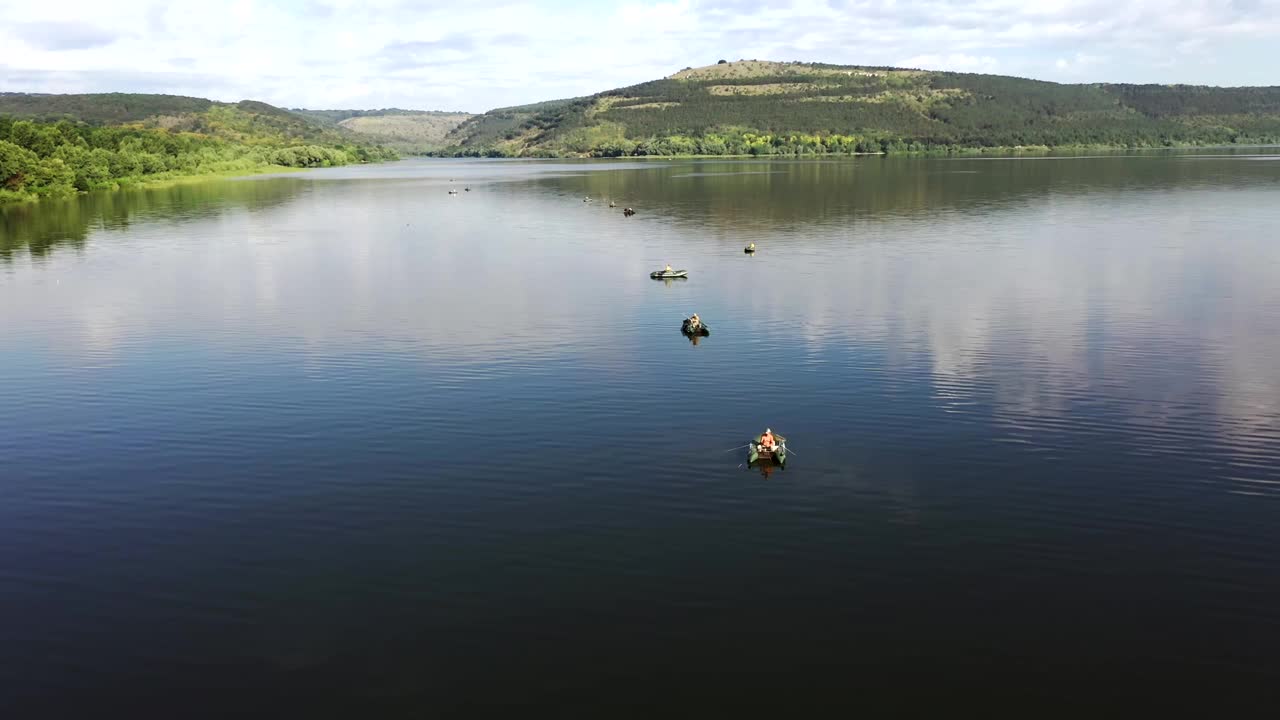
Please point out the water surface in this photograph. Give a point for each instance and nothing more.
(341, 441)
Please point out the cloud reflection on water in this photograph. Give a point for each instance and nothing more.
(1135, 293)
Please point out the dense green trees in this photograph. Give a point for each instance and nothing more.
(46, 159)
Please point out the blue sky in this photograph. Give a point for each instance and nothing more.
(483, 54)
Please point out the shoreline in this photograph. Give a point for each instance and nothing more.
(219, 175)
(955, 152)
(162, 180)
(1016, 150)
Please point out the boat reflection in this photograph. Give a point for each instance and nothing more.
(766, 467)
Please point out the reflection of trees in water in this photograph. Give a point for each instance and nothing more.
(39, 227)
(740, 195)
(42, 227)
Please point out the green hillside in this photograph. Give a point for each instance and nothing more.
(409, 131)
(511, 130)
(52, 145)
(761, 108)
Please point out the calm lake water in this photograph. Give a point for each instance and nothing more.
(340, 442)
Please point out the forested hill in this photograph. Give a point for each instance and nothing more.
(757, 107)
(58, 144)
(411, 131)
(98, 108)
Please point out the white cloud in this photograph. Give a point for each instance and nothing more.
(487, 53)
(1079, 63)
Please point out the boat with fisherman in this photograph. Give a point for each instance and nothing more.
(767, 447)
(668, 273)
(693, 325)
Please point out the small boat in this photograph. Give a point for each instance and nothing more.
(453, 192)
(749, 249)
(467, 189)
(688, 328)
(613, 204)
(758, 455)
(668, 274)
(628, 212)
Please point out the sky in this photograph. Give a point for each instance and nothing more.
(475, 55)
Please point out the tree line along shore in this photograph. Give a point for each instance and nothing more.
(44, 157)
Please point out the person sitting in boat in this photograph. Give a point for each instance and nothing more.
(767, 441)
(695, 322)
(668, 269)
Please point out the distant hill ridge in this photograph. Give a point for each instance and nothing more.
(99, 108)
(400, 129)
(337, 116)
(404, 130)
(763, 107)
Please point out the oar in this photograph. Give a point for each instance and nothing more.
(737, 448)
